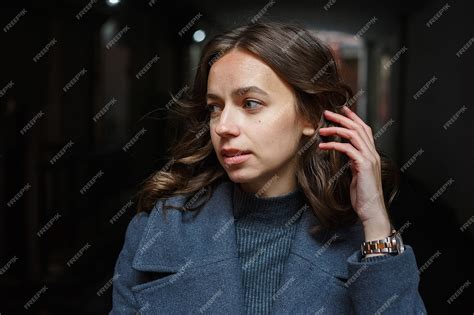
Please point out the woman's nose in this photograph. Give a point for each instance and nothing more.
(227, 124)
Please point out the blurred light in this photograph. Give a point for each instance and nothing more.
(112, 2)
(108, 30)
(199, 36)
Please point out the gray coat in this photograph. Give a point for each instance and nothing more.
(189, 264)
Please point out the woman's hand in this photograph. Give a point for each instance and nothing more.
(366, 185)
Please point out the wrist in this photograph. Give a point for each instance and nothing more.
(377, 229)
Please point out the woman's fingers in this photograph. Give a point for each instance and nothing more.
(357, 119)
(350, 124)
(349, 134)
(346, 148)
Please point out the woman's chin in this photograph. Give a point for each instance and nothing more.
(239, 175)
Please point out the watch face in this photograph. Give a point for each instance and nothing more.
(400, 245)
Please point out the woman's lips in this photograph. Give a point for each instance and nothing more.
(240, 158)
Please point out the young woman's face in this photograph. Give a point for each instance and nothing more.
(253, 110)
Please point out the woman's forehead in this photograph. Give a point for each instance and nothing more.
(241, 70)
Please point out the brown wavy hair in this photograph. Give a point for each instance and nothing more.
(308, 66)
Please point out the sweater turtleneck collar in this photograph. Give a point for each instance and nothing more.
(274, 211)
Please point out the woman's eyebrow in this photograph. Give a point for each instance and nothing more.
(240, 91)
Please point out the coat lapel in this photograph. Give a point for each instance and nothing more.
(200, 253)
(198, 256)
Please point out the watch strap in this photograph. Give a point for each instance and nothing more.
(389, 245)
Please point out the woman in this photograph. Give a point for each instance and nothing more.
(270, 194)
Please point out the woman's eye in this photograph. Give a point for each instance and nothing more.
(251, 101)
(210, 107)
(252, 106)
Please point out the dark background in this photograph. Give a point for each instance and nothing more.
(29, 262)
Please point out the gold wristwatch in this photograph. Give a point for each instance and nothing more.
(392, 244)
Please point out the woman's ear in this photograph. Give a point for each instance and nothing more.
(308, 128)
(308, 131)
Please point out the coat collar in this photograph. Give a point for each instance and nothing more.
(209, 236)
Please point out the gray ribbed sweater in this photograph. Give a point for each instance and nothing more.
(265, 228)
